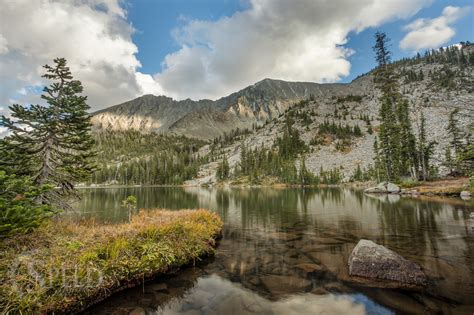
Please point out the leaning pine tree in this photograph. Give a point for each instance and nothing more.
(51, 144)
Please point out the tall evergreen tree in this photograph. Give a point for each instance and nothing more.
(384, 74)
(223, 170)
(408, 158)
(51, 144)
(425, 149)
(454, 131)
(396, 150)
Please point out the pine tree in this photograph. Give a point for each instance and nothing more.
(51, 144)
(19, 211)
(223, 170)
(396, 149)
(384, 74)
(305, 176)
(379, 169)
(422, 152)
(408, 158)
(448, 160)
(389, 138)
(465, 158)
(454, 131)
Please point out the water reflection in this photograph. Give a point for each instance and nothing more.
(216, 295)
(288, 249)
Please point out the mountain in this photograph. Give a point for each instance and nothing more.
(434, 85)
(206, 119)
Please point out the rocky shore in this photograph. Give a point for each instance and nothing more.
(446, 187)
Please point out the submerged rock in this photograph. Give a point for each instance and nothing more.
(377, 266)
(384, 188)
(138, 311)
(311, 268)
(280, 285)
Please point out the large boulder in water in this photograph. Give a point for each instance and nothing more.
(374, 265)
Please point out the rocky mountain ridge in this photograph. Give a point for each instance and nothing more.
(424, 96)
(433, 88)
(206, 119)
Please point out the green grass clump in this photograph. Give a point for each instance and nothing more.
(63, 267)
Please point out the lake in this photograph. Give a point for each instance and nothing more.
(273, 237)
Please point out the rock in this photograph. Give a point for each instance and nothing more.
(399, 302)
(158, 287)
(284, 236)
(465, 195)
(319, 291)
(392, 188)
(161, 298)
(377, 266)
(308, 268)
(336, 286)
(279, 285)
(138, 311)
(145, 302)
(374, 190)
(471, 215)
(383, 188)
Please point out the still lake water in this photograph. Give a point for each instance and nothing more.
(285, 251)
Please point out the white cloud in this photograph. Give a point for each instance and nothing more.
(147, 84)
(93, 35)
(3, 45)
(432, 33)
(291, 40)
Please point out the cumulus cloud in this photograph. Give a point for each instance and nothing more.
(3, 45)
(432, 33)
(93, 35)
(291, 40)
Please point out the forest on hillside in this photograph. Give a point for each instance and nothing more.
(135, 158)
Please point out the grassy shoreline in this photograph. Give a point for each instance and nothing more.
(64, 267)
(450, 187)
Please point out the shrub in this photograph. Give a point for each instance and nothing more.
(19, 211)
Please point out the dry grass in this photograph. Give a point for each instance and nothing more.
(448, 186)
(64, 266)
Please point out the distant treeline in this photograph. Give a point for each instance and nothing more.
(131, 157)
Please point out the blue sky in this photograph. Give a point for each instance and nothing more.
(122, 49)
(155, 20)
(363, 41)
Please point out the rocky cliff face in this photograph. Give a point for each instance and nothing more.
(146, 113)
